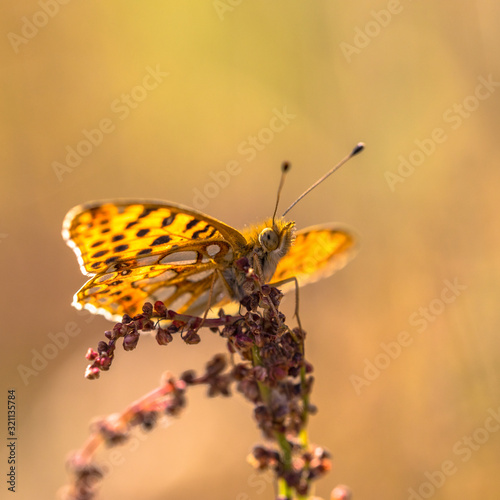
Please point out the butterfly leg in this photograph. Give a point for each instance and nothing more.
(295, 281)
(209, 303)
(258, 271)
(288, 280)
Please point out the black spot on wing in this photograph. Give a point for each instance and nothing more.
(161, 240)
(168, 220)
(191, 224)
(120, 248)
(144, 252)
(197, 234)
(97, 244)
(147, 211)
(104, 221)
(117, 237)
(100, 253)
(105, 230)
(142, 232)
(111, 260)
(131, 224)
(212, 232)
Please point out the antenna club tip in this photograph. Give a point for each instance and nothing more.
(359, 147)
(285, 166)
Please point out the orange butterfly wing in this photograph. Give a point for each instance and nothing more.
(138, 251)
(317, 252)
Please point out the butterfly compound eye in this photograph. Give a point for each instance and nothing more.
(269, 239)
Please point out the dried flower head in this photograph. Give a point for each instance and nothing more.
(266, 366)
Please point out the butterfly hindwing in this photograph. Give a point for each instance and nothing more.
(178, 286)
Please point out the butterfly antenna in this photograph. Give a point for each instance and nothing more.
(359, 147)
(285, 167)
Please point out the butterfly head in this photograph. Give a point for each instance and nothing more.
(276, 235)
(273, 240)
(269, 239)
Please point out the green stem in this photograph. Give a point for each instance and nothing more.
(265, 392)
(286, 449)
(303, 436)
(284, 490)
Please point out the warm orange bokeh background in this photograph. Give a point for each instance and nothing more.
(225, 78)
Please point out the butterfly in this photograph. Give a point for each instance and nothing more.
(136, 251)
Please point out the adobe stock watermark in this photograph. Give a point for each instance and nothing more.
(224, 6)
(57, 342)
(454, 117)
(420, 321)
(464, 449)
(364, 36)
(248, 151)
(260, 482)
(121, 107)
(32, 25)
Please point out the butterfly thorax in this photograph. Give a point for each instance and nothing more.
(266, 245)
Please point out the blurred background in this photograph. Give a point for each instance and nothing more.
(155, 100)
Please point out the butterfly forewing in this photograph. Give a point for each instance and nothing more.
(105, 233)
(138, 252)
(317, 252)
